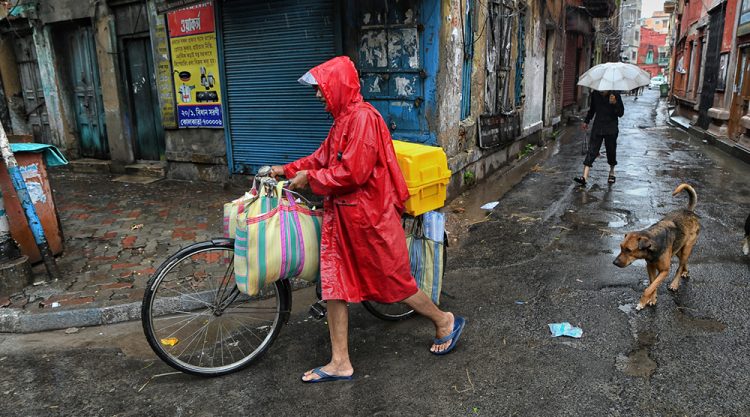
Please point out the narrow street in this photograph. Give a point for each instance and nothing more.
(544, 255)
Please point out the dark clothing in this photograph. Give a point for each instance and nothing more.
(595, 143)
(607, 114)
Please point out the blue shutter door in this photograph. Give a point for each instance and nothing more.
(267, 46)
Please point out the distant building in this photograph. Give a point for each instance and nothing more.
(630, 27)
(652, 52)
(658, 22)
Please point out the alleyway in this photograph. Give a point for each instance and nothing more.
(544, 255)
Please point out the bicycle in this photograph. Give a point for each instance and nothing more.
(198, 322)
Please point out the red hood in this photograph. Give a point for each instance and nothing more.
(338, 80)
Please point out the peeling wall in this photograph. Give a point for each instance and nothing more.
(449, 77)
(51, 11)
(11, 83)
(197, 154)
(118, 139)
(62, 134)
(533, 71)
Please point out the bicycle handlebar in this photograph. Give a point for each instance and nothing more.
(263, 177)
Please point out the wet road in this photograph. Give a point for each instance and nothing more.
(543, 256)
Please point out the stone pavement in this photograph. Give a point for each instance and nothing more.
(115, 235)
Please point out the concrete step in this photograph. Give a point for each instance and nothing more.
(156, 169)
(91, 166)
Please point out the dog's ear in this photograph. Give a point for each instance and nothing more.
(644, 243)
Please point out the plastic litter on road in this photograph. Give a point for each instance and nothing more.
(565, 329)
(490, 206)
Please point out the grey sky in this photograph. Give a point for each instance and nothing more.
(648, 7)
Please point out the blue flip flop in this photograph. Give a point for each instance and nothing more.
(458, 327)
(324, 377)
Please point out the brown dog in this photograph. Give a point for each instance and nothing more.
(674, 235)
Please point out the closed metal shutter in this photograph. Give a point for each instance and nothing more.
(267, 46)
(570, 75)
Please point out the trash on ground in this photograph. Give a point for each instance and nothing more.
(565, 329)
(55, 304)
(520, 303)
(137, 226)
(490, 206)
(169, 341)
(71, 330)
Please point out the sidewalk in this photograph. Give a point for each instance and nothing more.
(115, 235)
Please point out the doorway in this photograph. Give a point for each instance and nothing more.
(31, 86)
(148, 130)
(87, 93)
(741, 93)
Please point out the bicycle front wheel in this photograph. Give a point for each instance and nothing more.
(197, 321)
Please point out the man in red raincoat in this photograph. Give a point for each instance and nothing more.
(363, 246)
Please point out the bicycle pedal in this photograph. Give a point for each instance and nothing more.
(318, 310)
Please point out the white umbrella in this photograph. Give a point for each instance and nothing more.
(614, 76)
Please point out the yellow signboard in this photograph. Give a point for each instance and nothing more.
(195, 65)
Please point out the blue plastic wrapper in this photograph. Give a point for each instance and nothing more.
(565, 329)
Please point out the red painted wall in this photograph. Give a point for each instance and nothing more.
(650, 39)
(691, 13)
(730, 20)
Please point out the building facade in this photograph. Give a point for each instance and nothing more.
(208, 88)
(652, 53)
(710, 70)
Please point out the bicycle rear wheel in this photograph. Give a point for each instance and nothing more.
(398, 311)
(197, 321)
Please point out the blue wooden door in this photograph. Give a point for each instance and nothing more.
(148, 130)
(87, 96)
(391, 64)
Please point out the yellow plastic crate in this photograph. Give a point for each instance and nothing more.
(426, 172)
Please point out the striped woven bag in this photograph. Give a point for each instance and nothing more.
(234, 208)
(276, 238)
(425, 243)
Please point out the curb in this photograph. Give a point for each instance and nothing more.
(17, 321)
(734, 150)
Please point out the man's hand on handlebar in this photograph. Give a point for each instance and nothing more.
(299, 181)
(277, 170)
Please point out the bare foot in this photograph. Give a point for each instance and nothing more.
(444, 329)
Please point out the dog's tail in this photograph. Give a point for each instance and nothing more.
(691, 193)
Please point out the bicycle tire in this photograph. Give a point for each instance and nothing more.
(196, 320)
(398, 311)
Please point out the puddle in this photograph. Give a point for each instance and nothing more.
(638, 363)
(494, 187)
(626, 308)
(641, 192)
(706, 324)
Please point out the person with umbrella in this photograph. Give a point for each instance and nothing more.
(606, 108)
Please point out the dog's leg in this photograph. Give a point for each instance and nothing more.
(682, 270)
(653, 271)
(649, 294)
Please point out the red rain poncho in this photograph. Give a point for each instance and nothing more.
(363, 245)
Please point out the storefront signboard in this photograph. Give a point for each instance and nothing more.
(195, 66)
